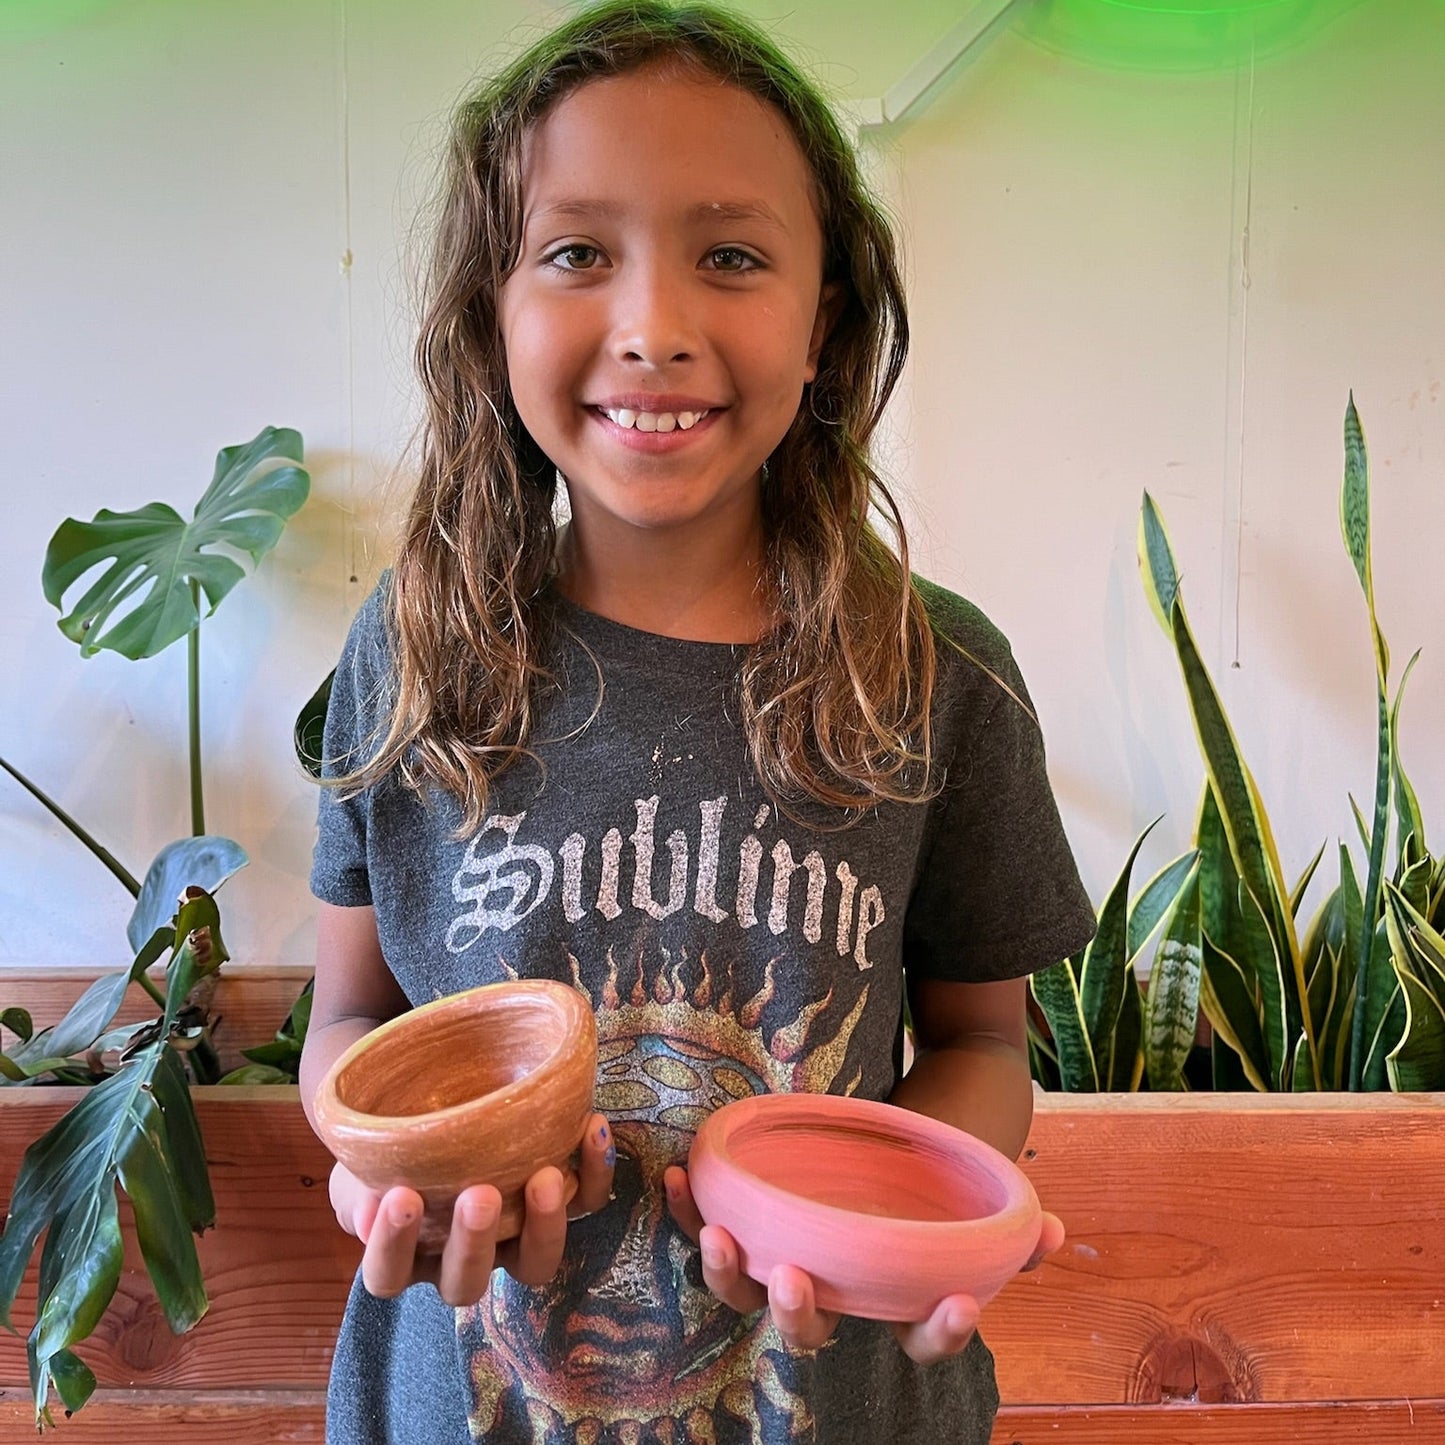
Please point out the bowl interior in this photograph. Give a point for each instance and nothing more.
(866, 1169)
(455, 1056)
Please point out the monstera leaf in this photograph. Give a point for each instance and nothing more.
(154, 562)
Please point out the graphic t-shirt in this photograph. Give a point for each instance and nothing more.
(727, 950)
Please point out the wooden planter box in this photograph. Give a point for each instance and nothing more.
(1241, 1268)
(277, 1267)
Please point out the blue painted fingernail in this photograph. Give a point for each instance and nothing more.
(610, 1157)
(602, 1134)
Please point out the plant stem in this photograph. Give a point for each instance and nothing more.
(193, 701)
(103, 854)
(1371, 909)
(150, 986)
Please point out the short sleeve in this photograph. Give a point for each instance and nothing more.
(339, 871)
(999, 893)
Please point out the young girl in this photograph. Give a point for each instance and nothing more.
(707, 752)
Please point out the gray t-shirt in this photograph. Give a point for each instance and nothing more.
(727, 950)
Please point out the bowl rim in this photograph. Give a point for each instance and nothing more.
(340, 1114)
(1021, 1202)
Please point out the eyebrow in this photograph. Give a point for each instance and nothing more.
(586, 210)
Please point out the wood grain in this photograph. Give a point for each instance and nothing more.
(251, 1001)
(251, 1417)
(1232, 1248)
(277, 1266)
(1241, 1269)
(1380, 1422)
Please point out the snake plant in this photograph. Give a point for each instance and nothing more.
(1359, 1001)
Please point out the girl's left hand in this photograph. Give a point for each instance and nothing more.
(789, 1292)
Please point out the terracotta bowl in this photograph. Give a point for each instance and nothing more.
(482, 1087)
(887, 1210)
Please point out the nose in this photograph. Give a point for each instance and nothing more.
(655, 323)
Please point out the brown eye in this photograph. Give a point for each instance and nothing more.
(579, 258)
(733, 259)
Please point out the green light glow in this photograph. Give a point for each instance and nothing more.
(22, 20)
(1175, 35)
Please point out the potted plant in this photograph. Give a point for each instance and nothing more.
(1254, 1229)
(130, 1045)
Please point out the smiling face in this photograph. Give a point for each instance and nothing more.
(664, 313)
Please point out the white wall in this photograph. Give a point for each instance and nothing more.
(180, 182)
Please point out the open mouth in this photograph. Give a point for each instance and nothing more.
(655, 431)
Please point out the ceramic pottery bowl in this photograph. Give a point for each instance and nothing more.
(482, 1087)
(887, 1210)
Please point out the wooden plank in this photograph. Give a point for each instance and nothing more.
(279, 1417)
(251, 1000)
(1232, 1248)
(277, 1265)
(1381, 1422)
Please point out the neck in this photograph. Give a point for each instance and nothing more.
(697, 588)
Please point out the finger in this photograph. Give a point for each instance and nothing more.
(354, 1203)
(722, 1272)
(791, 1300)
(388, 1263)
(471, 1247)
(1051, 1238)
(945, 1332)
(680, 1202)
(595, 1163)
(544, 1228)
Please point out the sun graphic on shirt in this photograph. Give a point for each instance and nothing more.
(627, 1344)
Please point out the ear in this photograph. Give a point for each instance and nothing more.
(830, 306)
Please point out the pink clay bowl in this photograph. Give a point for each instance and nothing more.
(887, 1210)
(482, 1087)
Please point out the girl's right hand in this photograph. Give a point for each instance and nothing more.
(388, 1225)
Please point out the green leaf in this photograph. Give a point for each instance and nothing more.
(1279, 1021)
(1157, 897)
(258, 1074)
(1417, 1062)
(1410, 821)
(131, 1127)
(1156, 564)
(186, 1152)
(1227, 997)
(89, 1257)
(87, 1018)
(76, 1154)
(1106, 970)
(1241, 809)
(19, 1022)
(1172, 1006)
(203, 862)
(1297, 893)
(1126, 1048)
(149, 1176)
(1057, 991)
(1301, 1075)
(1229, 1070)
(309, 733)
(1322, 947)
(151, 556)
(1355, 525)
(74, 1379)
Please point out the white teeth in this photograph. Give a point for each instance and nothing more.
(650, 421)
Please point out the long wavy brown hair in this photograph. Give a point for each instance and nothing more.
(835, 698)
